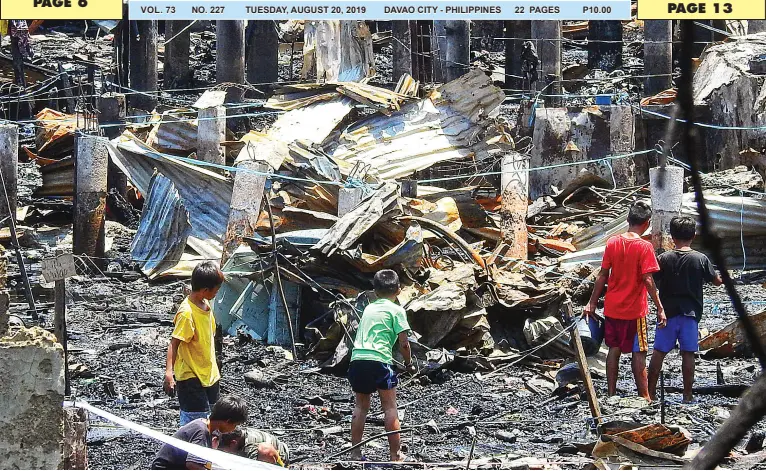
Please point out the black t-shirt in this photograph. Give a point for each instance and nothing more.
(170, 457)
(680, 279)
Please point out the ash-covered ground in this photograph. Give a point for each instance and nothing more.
(118, 340)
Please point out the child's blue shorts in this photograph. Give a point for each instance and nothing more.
(682, 329)
(366, 376)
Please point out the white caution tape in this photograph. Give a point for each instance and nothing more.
(219, 459)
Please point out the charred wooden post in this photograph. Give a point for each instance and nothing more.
(262, 52)
(211, 132)
(143, 64)
(9, 164)
(516, 33)
(90, 181)
(402, 48)
(547, 36)
(5, 298)
(75, 436)
(453, 40)
(112, 111)
(658, 56)
(410, 188)
(177, 73)
(230, 56)
(514, 183)
(667, 188)
(605, 45)
(246, 200)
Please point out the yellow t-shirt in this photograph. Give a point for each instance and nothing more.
(195, 328)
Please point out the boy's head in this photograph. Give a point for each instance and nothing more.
(229, 412)
(386, 284)
(232, 442)
(683, 229)
(206, 279)
(639, 215)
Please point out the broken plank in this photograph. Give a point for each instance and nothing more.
(582, 362)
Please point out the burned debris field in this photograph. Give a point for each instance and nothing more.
(321, 152)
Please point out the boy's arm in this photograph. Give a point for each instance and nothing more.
(590, 308)
(652, 289)
(170, 384)
(404, 348)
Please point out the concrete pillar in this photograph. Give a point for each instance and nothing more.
(75, 437)
(513, 47)
(402, 48)
(622, 140)
(348, 199)
(666, 202)
(90, 180)
(9, 166)
(230, 56)
(245, 208)
(756, 26)
(658, 56)
(453, 39)
(262, 52)
(177, 44)
(32, 368)
(112, 110)
(211, 132)
(143, 64)
(514, 182)
(547, 36)
(605, 55)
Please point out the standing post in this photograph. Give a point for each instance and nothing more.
(452, 39)
(514, 182)
(230, 56)
(402, 48)
(605, 45)
(143, 64)
(262, 52)
(658, 56)
(5, 298)
(246, 199)
(667, 188)
(9, 164)
(177, 44)
(516, 32)
(112, 111)
(547, 36)
(90, 180)
(211, 132)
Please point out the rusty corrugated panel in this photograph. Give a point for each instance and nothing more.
(58, 179)
(453, 123)
(164, 228)
(177, 132)
(206, 194)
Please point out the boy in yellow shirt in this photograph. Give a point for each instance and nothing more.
(191, 369)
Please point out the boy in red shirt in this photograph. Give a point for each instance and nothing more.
(628, 265)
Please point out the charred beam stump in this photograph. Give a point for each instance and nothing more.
(90, 181)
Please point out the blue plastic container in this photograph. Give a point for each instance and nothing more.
(603, 100)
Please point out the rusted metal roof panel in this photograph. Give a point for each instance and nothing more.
(455, 122)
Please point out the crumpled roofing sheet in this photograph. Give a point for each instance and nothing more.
(205, 194)
(161, 238)
(453, 123)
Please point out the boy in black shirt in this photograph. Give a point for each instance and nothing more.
(683, 272)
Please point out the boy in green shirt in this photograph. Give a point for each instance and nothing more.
(383, 323)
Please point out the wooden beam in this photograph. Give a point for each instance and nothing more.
(582, 362)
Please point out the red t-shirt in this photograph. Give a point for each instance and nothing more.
(628, 259)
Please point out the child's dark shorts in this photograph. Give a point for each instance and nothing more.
(368, 375)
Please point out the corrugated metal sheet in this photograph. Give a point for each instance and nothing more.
(205, 194)
(58, 179)
(161, 237)
(731, 214)
(454, 123)
(176, 132)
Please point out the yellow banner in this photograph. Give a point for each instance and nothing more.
(702, 10)
(61, 9)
